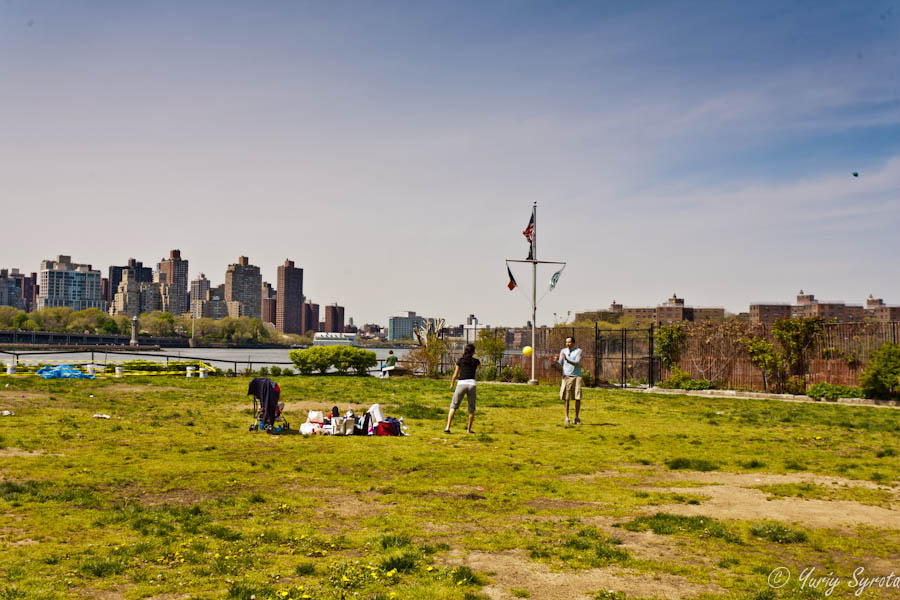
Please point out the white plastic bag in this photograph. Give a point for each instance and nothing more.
(315, 416)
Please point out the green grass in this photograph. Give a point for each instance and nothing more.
(173, 497)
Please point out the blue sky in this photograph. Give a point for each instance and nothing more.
(394, 149)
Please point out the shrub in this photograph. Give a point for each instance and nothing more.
(342, 358)
(519, 375)
(587, 377)
(263, 371)
(287, 372)
(881, 379)
(679, 380)
(827, 391)
(275, 371)
(488, 373)
(795, 386)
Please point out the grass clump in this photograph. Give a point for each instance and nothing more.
(778, 533)
(692, 464)
(103, 567)
(666, 524)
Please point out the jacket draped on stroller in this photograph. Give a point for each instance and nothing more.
(267, 393)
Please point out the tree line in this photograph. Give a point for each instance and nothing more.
(229, 330)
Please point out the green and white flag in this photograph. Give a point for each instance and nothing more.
(555, 278)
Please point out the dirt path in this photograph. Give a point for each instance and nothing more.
(514, 570)
(732, 497)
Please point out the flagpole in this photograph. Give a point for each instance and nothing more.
(533, 380)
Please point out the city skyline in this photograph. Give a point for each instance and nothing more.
(395, 153)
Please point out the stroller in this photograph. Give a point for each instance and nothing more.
(266, 406)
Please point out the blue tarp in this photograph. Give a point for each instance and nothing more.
(62, 372)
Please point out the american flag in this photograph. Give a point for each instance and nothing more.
(529, 231)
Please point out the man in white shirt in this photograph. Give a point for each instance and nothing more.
(570, 359)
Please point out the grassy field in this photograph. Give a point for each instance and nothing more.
(653, 497)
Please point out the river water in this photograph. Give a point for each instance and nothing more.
(220, 358)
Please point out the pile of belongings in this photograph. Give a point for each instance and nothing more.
(373, 422)
(62, 372)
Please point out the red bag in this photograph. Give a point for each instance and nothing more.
(384, 428)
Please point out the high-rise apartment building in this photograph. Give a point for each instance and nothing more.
(64, 283)
(17, 289)
(200, 288)
(243, 289)
(334, 318)
(288, 314)
(268, 311)
(175, 269)
(400, 328)
(138, 272)
(310, 319)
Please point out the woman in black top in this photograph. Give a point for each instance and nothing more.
(465, 371)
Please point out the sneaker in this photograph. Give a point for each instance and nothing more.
(577, 421)
(567, 421)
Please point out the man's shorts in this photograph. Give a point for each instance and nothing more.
(570, 388)
(464, 389)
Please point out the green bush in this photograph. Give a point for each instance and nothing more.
(342, 358)
(587, 378)
(795, 385)
(679, 380)
(881, 379)
(287, 372)
(827, 391)
(488, 373)
(264, 371)
(275, 371)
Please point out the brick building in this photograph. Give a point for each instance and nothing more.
(243, 289)
(310, 318)
(175, 270)
(334, 318)
(289, 307)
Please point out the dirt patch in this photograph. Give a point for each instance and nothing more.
(20, 452)
(734, 498)
(554, 504)
(13, 398)
(513, 569)
(354, 507)
(131, 387)
(755, 479)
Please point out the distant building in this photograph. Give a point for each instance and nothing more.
(334, 318)
(64, 283)
(310, 318)
(401, 328)
(769, 313)
(139, 274)
(674, 310)
(289, 308)
(134, 298)
(269, 310)
(805, 307)
(16, 289)
(877, 310)
(176, 271)
(243, 289)
(200, 289)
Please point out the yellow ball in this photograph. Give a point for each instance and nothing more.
(527, 350)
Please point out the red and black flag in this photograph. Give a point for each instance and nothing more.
(512, 280)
